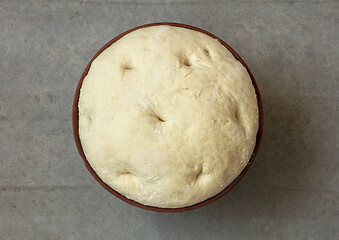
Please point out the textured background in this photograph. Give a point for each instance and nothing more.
(291, 190)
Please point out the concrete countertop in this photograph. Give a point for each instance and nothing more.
(291, 190)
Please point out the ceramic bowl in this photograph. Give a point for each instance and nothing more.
(75, 119)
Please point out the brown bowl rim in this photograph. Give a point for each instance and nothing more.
(75, 123)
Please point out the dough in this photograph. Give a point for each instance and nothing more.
(167, 116)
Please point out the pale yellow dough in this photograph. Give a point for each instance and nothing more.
(167, 116)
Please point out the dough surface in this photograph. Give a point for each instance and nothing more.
(167, 116)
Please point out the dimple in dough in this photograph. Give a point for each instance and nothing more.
(167, 116)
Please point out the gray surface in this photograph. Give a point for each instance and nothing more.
(290, 192)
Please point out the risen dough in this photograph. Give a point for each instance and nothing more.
(167, 116)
